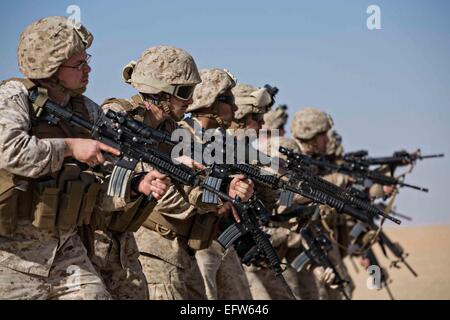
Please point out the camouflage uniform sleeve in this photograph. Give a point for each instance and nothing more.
(112, 106)
(338, 179)
(21, 153)
(187, 197)
(299, 199)
(183, 202)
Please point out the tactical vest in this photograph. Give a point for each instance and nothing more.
(198, 230)
(60, 201)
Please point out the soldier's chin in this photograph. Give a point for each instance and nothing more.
(176, 117)
(78, 91)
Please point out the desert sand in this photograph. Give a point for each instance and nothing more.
(429, 255)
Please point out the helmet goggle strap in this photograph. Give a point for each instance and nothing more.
(212, 114)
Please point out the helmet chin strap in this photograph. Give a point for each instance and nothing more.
(215, 114)
(165, 106)
(239, 124)
(222, 124)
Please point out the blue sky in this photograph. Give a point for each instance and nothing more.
(386, 89)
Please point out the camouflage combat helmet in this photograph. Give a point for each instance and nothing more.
(214, 83)
(250, 99)
(163, 69)
(289, 144)
(47, 43)
(334, 147)
(309, 122)
(277, 118)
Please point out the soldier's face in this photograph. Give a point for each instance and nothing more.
(254, 121)
(179, 107)
(321, 143)
(226, 112)
(74, 73)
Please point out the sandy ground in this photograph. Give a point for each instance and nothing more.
(429, 255)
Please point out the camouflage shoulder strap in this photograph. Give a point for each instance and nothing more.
(31, 85)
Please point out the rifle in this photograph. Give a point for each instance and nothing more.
(300, 165)
(251, 243)
(356, 169)
(134, 147)
(316, 251)
(300, 213)
(384, 277)
(308, 186)
(314, 188)
(383, 206)
(397, 251)
(399, 158)
(383, 240)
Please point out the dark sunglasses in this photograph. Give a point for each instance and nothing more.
(226, 99)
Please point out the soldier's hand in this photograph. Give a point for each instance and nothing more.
(241, 187)
(365, 263)
(228, 208)
(88, 151)
(388, 190)
(328, 277)
(154, 183)
(324, 275)
(191, 163)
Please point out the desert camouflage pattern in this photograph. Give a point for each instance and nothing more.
(143, 266)
(169, 264)
(326, 292)
(276, 118)
(48, 272)
(303, 283)
(214, 83)
(309, 122)
(170, 267)
(250, 99)
(117, 261)
(45, 44)
(264, 285)
(334, 147)
(36, 157)
(161, 67)
(32, 251)
(223, 273)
